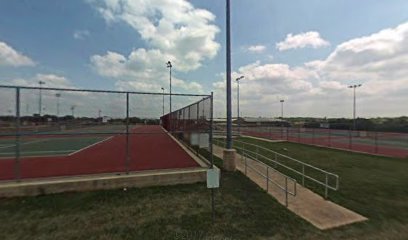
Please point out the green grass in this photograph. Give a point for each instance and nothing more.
(47, 146)
(243, 211)
(372, 186)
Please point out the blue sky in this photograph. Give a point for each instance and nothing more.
(61, 37)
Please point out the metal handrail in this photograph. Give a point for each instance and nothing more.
(325, 184)
(288, 157)
(245, 155)
(271, 180)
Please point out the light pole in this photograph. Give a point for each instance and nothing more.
(72, 110)
(228, 73)
(58, 95)
(239, 125)
(40, 98)
(163, 99)
(169, 66)
(282, 101)
(354, 103)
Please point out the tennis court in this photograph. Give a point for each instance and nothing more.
(380, 143)
(48, 146)
(80, 131)
(150, 147)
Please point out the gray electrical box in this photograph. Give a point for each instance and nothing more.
(213, 178)
(204, 140)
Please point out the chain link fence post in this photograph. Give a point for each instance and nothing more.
(127, 163)
(17, 167)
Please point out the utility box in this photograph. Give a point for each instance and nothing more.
(213, 178)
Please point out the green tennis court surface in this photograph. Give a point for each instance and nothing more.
(47, 146)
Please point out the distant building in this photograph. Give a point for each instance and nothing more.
(324, 125)
(261, 121)
(106, 119)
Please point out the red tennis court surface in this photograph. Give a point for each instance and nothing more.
(150, 147)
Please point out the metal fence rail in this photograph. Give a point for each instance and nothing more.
(245, 147)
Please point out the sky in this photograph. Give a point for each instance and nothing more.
(305, 52)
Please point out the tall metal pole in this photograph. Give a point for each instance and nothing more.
(72, 110)
(354, 109)
(163, 100)
(228, 56)
(211, 153)
(282, 101)
(170, 66)
(354, 103)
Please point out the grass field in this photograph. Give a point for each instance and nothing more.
(372, 186)
(47, 145)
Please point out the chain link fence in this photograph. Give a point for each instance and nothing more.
(382, 143)
(51, 132)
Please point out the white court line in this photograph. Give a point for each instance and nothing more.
(5, 146)
(53, 151)
(82, 149)
(24, 143)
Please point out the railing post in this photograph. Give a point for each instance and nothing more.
(286, 191)
(303, 175)
(243, 150)
(267, 179)
(245, 165)
(326, 190)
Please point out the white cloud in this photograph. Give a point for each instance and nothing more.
(257, 48)
(302, 40)
(174, 31)
(142, 70)
(378, 61)
(10, 57)
(319, 88)
(81, 34)
(179, 31)
(51, 80)
(264, 84)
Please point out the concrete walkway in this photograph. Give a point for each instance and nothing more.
(310, 206)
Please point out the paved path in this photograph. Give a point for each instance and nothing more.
(310, 206)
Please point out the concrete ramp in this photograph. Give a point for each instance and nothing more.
(312, 207)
